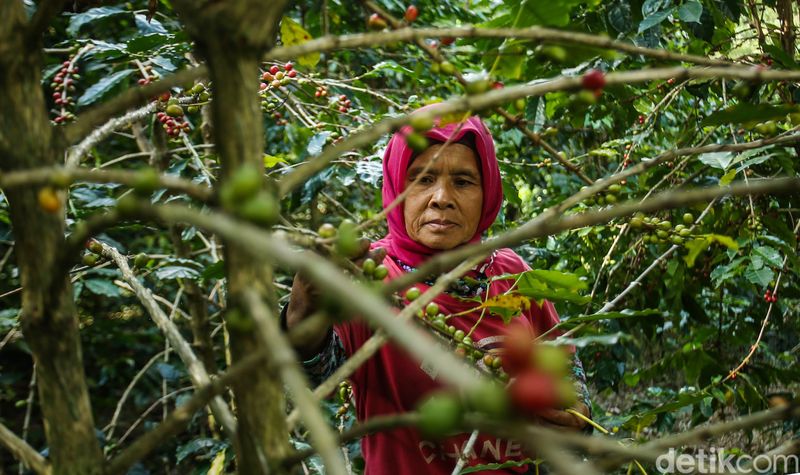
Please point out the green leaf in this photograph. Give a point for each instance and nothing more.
(620, 17)
(719, 160)
(547, 13)
(724, 240)
(727, 178)
(747, 112)
(760, 277)
(176, 272)
(102, 287)
(554, 278)
(771, 255)
(627, 313)
(101, 88)
(496, 466)
(148, 27)
(207, 446)
(76, 22)
(695, 247)
(271, 160)
(655, 19)
(690, 11)
(293, 34)
(214, 271)
(702, 241)
(140, 44)
(583, 341)
(778, 54)
(507, 61)
(726, 272)
(316, 143)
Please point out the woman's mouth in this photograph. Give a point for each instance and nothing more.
(440, 225)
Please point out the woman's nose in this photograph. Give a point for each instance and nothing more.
(442, 196)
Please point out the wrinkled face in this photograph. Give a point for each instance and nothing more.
(443, 209)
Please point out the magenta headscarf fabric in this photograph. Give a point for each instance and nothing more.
(396, 161)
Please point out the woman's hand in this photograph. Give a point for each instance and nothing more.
(305, 298)
(559, 419)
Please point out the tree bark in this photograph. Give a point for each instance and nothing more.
(232, 37)
(48, 318)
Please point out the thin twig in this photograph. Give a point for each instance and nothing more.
(109, 429)
(732, 373)
(197, 371)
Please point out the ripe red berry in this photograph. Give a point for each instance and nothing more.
(517, 351)
(292, 73)
(532, 391)
(342, 109)
(447, 40)
(274, 70)
(497, 85)
(288, 66)
(594, 80)
(165, 96)
(65, 63)
(412, 12)
(641, 119)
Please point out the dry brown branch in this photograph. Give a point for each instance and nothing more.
(24, 452)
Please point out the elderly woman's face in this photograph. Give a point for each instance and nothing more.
(443, 209)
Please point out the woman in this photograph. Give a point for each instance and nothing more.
(450, 204)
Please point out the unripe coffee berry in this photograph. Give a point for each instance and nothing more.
(432, 309)
(381, 272)
(412, 294)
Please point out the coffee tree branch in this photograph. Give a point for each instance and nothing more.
(100, 114)
(283, 357)
(375, 342)
(62, 177)
(24, 452)
(496, 97)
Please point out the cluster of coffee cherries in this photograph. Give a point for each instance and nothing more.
(770, 297)
(277, 76)
(662, 231)
(344, 104)
(94, 253)
(172, 118)
(200, 93)
(321, 91)
(345, 393)
(626, 158)
(611, 196)
(459, 340)
(63, 84)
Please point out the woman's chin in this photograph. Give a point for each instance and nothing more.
(440, 243)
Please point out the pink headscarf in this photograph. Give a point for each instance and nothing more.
(396, 161)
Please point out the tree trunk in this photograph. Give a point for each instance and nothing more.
(48, 319)
(232, 37)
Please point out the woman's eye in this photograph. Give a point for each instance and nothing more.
(427, 180)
